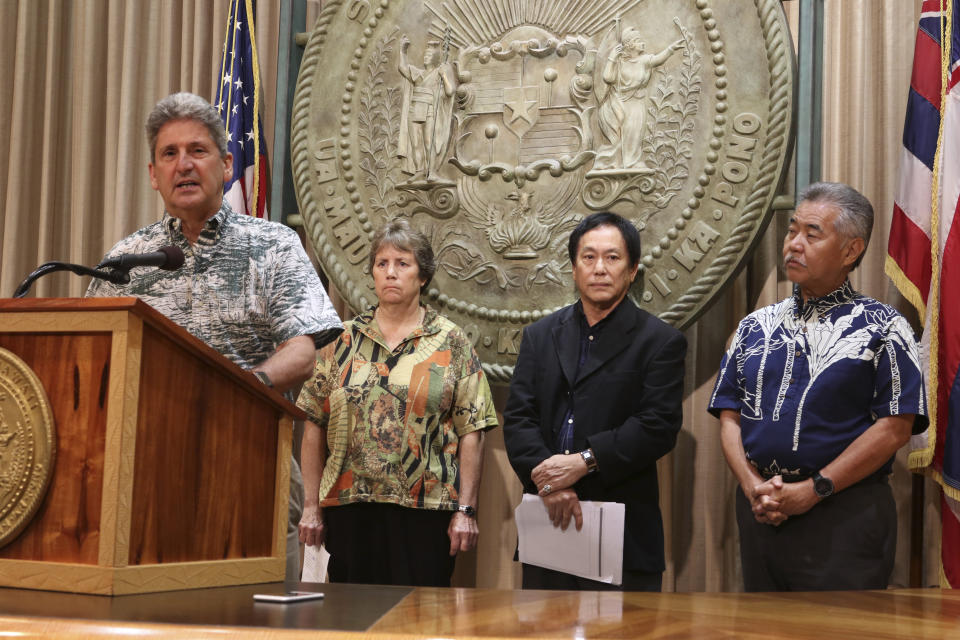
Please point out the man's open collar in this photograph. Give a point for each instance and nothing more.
(210, 233)
(841, 295)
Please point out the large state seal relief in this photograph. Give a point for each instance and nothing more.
(27, 445)
(495, 126)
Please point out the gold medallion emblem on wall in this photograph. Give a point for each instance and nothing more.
(27, 445)
(495, 126)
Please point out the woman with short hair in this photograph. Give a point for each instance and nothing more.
(392, 450)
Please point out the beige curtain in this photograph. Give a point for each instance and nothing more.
(82, 75)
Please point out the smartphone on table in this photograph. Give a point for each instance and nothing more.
(288, 597)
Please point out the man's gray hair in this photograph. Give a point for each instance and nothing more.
(399, 234)
(855, 219)
(185, 106)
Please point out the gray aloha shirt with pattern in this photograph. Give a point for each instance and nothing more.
(245, 287)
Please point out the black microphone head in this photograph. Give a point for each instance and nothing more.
(174, 257)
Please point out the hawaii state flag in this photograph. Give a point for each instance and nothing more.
(924, 252)
(238, 101)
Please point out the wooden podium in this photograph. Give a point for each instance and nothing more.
(172, 466)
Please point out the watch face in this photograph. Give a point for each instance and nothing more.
(823, 486)
(467, 509)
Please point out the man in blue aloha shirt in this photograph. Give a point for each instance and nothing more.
(815, 395)
(246, 286)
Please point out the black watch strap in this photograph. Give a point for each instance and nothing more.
(822, 485)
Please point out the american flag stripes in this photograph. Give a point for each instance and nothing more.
(924, 251)
(238, 100)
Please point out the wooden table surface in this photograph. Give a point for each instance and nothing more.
(385, 612)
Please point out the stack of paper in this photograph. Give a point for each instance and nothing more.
(595, 552)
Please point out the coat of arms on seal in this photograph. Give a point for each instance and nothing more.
(496, 125)
(27, 445)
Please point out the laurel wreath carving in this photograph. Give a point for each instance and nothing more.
(781, 100)
(669, 140)
(378, 126)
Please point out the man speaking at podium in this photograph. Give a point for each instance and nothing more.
(246, 286)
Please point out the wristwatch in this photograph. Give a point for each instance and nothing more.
(467, 510)
(822, 486)
(264, 378)
(590, 460)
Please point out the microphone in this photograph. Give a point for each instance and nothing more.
(116, 276)
(169, 258)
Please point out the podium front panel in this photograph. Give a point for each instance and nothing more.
(206, 455)
(66, 528)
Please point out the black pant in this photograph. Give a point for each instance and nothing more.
(540, 578)
(373, 543)
(847, 541)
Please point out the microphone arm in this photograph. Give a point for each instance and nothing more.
(116, 276)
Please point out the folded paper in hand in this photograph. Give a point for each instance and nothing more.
(594, 552)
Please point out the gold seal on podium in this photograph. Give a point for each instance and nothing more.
(27, 445)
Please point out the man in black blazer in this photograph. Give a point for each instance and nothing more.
(595, 400)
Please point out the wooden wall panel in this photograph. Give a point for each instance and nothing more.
(73, 369)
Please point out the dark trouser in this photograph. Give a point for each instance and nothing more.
(372, 543)
(847, 541)
(539, 578)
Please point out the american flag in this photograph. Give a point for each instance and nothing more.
(238, 100)
(924, 251)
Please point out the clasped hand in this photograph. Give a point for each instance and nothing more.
(560, 472)
(773, 501)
